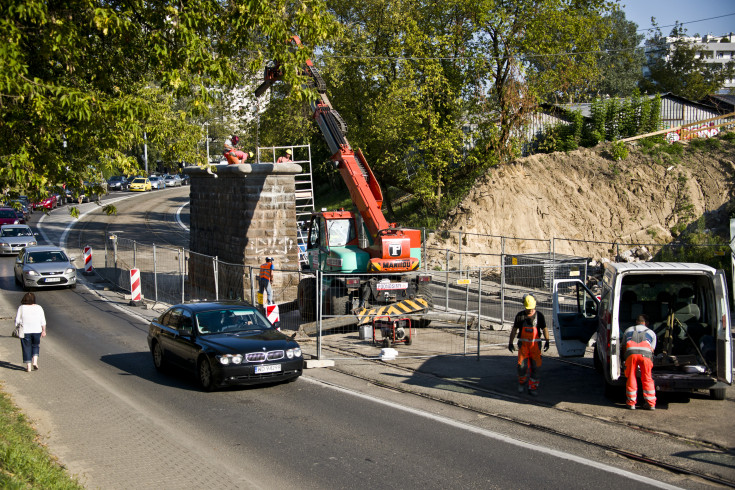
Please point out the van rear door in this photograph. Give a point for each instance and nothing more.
(574, 316)
(724, 342)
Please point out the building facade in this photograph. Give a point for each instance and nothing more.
(717, 50)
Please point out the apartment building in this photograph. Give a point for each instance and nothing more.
(713, 49)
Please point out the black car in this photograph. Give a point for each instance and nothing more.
(224, 343)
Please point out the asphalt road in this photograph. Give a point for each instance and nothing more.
(116, 422)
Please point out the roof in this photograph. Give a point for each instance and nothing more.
(661, 267)
(43, 248)
(213, 305)
(724, 102)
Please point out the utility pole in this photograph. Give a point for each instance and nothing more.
(207, 125)
(145, 152)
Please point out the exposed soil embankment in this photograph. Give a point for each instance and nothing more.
(585, 195)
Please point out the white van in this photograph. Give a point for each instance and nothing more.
(686, 304)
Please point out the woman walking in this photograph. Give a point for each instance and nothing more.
(31, 316)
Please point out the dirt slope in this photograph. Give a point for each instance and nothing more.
(585, 195)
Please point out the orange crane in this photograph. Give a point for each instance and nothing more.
(352, 248)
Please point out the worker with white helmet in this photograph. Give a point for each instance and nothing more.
(529, 324)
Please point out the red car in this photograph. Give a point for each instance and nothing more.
(10, 216)
(49, 203)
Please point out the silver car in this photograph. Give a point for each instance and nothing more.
(157, 182)
(14, 237)
(43, 266)
(172, 180)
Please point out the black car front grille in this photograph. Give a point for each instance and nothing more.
(52, 273)
(273, 355)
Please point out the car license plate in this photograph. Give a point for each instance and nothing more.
(53, 279)
(388, 286)
(269, 368)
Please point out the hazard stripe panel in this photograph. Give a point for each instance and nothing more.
(366, 315)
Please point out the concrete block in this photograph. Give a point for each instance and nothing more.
(318, 363)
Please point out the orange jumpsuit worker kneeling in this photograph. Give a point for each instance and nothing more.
(529, 324)
(640, 342)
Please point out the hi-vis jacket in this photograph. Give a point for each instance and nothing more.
(641, 340)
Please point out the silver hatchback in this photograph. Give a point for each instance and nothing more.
(14, 237)
(44, 266)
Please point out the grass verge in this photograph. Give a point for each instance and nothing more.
(24, 461)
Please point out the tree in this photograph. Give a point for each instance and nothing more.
(673, 66)
(416, 80)
(621, 62)
(81, 81)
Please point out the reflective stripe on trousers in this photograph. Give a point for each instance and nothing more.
(632, 364)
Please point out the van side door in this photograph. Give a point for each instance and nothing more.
(724, 340)
(575, 320)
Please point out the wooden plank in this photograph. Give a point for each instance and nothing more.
(677, 128)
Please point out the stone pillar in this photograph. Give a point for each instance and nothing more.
(242, 216)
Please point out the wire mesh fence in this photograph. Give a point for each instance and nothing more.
(448, 311)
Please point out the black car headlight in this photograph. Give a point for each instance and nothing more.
(227, 359)
(291, 353)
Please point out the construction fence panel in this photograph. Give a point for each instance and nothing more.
(465, 311)
(169, 274)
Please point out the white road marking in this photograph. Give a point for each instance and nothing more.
(498, 437)
(178, 216)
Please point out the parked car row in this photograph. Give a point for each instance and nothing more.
(122, 183)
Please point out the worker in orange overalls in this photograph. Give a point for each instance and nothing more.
(529, 324)
(266, 276)
(232, 154)
(639, 342)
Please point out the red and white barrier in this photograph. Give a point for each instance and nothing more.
(87, 259)
(271, 312)
(135, 284)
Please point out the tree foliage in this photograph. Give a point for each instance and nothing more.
(436, 92)
(621, 61)
(680, 70)
(81, 81)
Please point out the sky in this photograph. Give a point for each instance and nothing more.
(667, 12)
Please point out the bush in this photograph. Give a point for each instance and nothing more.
(619, 151)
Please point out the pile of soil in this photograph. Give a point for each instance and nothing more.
(586, 195)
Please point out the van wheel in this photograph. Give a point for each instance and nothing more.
(717, 393)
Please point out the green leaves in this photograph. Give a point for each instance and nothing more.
(82, 81)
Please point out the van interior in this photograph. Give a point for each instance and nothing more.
(681, 311)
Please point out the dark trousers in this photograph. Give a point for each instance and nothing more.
(31, 345)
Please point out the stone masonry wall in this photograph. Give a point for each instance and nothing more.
(242, 216)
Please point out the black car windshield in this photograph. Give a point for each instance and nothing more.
(39, 257)
(16, 232)
(231, 320)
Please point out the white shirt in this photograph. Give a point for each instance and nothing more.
(32, 318)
